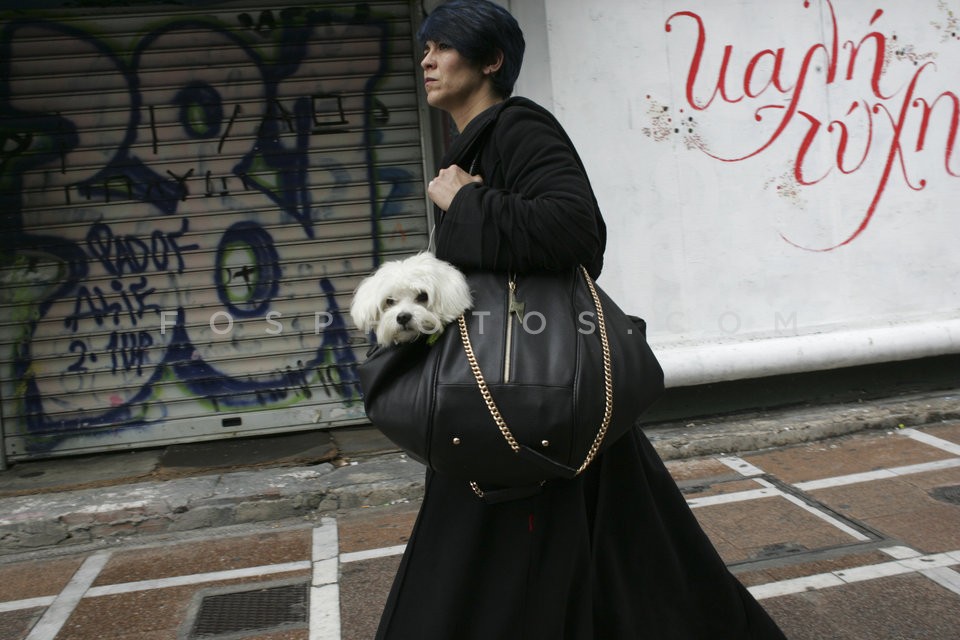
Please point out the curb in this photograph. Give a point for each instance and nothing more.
(84, 516)
(786, 427)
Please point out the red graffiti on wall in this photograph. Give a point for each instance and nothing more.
(904, 114)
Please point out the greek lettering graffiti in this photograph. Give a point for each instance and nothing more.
(877, 126)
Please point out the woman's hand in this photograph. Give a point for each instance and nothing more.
(448, 182)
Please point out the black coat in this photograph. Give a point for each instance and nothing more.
(614, 554)
(535, 208)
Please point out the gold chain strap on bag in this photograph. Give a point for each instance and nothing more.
(492, 405)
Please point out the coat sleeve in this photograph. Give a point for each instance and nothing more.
(535, 209)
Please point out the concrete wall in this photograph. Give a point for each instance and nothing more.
(779, 177)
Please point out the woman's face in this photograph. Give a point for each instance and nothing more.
(451, 81)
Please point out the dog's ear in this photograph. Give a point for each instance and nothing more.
(365, 306)
(452, 293)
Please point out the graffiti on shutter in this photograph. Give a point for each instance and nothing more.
(188, 200)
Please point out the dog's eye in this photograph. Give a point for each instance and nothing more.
(422, 297)
(389, 302)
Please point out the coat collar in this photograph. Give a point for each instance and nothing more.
(467, 144)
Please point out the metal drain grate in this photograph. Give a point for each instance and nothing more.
(258, 610)
(950, 495)
(780, 550)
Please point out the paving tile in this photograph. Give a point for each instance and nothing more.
(363, 592)
(143, 612)
(698, 468)
(292, 634)
(765, 528)
(376, 527)
(201, 556)
(865, 500)
(850, 560)
(705, 488)
(707, 476)
(842, 456)
(36, 578)
(934, 479)
(158, 613)
(940, 533)
(896, 506)
(162, 634)
(950, 431)
(901, 607)
(15, 625)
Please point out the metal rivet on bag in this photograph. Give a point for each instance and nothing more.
(456, 441)
(545, 443)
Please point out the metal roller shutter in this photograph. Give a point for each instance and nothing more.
(189, 196)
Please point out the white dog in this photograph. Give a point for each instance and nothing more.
(405, 299)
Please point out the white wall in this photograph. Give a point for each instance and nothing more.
(742, 264)
(536, 80)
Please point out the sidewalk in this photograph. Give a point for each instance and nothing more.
(850, 538)
(95, 499)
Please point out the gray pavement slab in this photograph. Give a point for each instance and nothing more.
(897, 608)
(215, 500)
(794, 425)
(59, 474)
(300, 448)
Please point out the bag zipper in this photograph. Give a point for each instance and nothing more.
(515, 307)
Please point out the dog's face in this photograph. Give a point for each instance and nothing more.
(405, 299)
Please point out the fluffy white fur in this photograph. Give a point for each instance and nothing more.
(405, 299)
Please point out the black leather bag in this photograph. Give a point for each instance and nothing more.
(529, 385)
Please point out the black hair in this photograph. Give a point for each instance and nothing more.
(478, 29)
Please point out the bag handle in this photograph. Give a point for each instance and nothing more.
(498, 417)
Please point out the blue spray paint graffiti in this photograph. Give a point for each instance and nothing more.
(168, 184)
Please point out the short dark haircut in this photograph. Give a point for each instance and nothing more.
(478, 29)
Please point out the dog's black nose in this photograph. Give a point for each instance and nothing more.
(404, 318)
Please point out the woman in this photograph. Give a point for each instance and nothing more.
(614, 554)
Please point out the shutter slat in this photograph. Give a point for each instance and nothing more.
(191, 158)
